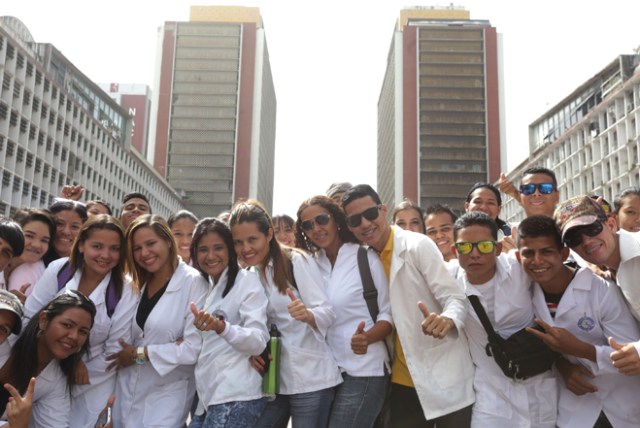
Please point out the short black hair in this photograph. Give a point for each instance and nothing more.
(475, 218)
(440, 209)
(359, 191)
(132, 195)
(541, 170)
(11, 232)
(538, 226)
(484, 185)
(617, 201)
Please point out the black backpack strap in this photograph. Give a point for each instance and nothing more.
(369, 290)
(484, 319)
(293, 276)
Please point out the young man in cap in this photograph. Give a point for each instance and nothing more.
(432, 372)
(134, 205)
(578, 312)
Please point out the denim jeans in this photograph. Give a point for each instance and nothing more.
(358, 401)
(307, 410)
(235, 414)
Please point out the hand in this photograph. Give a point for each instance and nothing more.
(258, 363)
(206, 322)
(573, 375)
(507, 187)
(19, 408)
(20, 294)
(562, 341)
(297, 309)
(123, 358)
(433, 324)
(625, 358)
(72, 192)
(508, 244)
(359, 340)
(81, 374)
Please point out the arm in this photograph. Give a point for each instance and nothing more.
(43, 291)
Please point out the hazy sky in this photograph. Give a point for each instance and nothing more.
(328, 60)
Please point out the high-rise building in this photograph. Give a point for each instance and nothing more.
(215, 109)
(590, 138)
(440, 122)
(58, 127)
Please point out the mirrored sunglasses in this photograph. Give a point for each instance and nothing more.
(485, 247)
(543, 188)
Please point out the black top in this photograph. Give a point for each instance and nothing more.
(4, 399)
(147, 304)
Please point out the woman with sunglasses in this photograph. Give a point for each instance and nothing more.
(50, 349)
(298, 306)
(355, 339)
(96, 269)
(233, 328)
(156, 384)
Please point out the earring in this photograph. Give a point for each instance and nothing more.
(39, 333)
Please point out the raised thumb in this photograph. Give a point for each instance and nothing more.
(360, 328)
(423, 309)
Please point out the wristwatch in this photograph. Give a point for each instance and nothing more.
(140, 357)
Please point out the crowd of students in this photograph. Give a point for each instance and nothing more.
(138, 321)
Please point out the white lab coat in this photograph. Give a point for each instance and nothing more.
(159, 392)
(223, 371)
(441, 369)
(593, 311)
(502, 401)
(306, 363)
(89, 400)
(51, 402)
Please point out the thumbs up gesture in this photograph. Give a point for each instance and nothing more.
(625, 357)
(297, 309)
(360, 340)
(433, 324)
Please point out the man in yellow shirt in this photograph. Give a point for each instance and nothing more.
(432, 372)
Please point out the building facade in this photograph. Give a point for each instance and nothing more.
(57, 127)
(213, 133)
(590, 138)
(440, 119)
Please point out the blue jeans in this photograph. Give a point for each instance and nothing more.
(358, 401)
(235, 414)
(307, 410)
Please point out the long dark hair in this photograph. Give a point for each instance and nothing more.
(101, 222)
(338, 216)
(23, 361)
(213, 225)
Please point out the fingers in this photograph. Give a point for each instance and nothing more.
(14, 392)
(123, 343)
(615, 345)
(360, 328)
(25, 287)
(542, 324)
(291, 295)
(537, 333)
(30, 389)
(194, 309)
(423, 309)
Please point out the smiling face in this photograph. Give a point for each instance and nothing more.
(538, 203)
(132, 209)
(440, 230)
(409, 219)
(251, 244)
(182, 230)
(601, 249)
(150, 251)
(100, 252)
(628, 216)
(483, 200)
(68, 224)
(213, 255)
(65, 334)
(322, 236)
(284, 234)
(374, 233)
(479, 268)
(6, 253)
(541, 258)
(36, 241)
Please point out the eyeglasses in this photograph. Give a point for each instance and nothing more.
(370, 214)
(320, 219)
(573, 237)
(543, 188)
(485, 247)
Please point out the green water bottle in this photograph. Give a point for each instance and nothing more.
(270, 381)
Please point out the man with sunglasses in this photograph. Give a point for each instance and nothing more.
(538, 192)
(503, 289)
(588, 231)
(432, 372)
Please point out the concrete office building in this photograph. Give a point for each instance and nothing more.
(57, 127)
(215, 109)
(440, 119)
(590, 138)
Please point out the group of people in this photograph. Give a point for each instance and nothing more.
(138, 321)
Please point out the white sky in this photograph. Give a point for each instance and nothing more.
(328, 59)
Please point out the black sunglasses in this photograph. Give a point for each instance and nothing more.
(573, 237)
(370, 214)
(320, 219)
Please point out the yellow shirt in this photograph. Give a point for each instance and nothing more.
(399, 370)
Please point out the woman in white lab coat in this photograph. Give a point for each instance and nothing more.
(50, 349)
(96, 269)
(233, 324)
(300, 309)
(156, 385)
